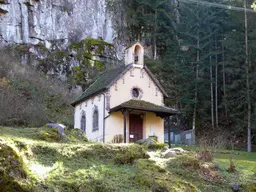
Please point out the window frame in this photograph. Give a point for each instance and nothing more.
(95, 123)
(81, 127)
(139, 90)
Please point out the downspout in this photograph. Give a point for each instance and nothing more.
(104, 118)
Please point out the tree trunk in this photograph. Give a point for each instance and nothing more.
(197, 77)
(224, 82)
(216, 84)
(247, 80)
(212, 103)
(155, 29)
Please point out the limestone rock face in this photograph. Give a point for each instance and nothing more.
(48, 21)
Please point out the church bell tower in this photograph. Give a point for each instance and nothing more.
(134, 55)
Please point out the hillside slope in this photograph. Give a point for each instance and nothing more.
(30, 98)
(30, 163)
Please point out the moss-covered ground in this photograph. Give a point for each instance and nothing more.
(37, 159)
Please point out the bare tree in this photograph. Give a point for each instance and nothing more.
(212, 103)
(216, 83)
(248, 66)
(224, 81)
(197, 77)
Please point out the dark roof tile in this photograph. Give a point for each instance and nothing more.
(101, 83)
(144, 106)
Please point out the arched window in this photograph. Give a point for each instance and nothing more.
(83, 122)
(95, 119)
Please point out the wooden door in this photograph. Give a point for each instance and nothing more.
(135, 128)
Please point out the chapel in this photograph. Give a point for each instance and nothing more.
(127, 101)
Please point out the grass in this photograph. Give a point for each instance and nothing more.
(83, 166)
(245, 164)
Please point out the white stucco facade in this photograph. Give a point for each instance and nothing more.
(87, 107)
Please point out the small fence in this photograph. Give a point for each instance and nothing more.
(182, 137)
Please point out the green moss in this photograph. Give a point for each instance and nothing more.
(65, 9)
(22, 48)
(158, 179)
(42, 47)
(75, 46)
(252, 188)
(119, 154)
(184, 161)
(97, 44)
(28, 4)
(50, 134)
(99, 65)
(21, 145)
(128, 154)
(98, 185)
(12, 174)
(45, 155)
(76, 135)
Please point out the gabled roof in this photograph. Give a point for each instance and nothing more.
(103, 82)
(144, 106)
(108, 78)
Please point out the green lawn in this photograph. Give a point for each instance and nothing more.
(55, 165)
(245, 164)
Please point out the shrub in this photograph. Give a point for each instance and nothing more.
(232, 167)
(35, 99)
(151, 143)
(157, 146)
(205, 156)
(118, 139)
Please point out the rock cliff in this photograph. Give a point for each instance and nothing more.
(48, 21)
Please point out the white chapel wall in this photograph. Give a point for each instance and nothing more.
(88, 108)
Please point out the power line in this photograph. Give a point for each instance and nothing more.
(222, 6)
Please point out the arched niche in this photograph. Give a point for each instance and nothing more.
(135, 55)
(138, 54)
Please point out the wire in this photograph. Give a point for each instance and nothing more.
(228, 7)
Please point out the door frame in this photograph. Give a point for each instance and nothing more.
(142, 124)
